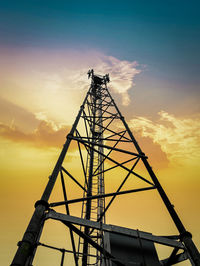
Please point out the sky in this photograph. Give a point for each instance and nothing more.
(151, 51)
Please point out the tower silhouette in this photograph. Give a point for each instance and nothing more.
(105, 147)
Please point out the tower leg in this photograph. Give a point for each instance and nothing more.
(186, 237)
(32, 233)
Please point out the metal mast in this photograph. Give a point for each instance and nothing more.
(104, 143)
(94, 182)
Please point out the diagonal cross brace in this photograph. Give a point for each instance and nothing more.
(93, 243)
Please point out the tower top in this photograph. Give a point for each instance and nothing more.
(98, 79)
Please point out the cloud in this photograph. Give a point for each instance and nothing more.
(11, 113)
(122, 74)
(74, 76)
(56, 81)
(45, 135)
(20, 125)
(179, 138)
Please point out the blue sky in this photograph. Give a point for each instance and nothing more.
(141, 30)
(162, 35)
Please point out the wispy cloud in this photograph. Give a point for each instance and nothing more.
(122, 74)
(44, 80)
(179, 138)
(73, 76)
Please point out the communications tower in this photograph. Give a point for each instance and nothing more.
(103, 148)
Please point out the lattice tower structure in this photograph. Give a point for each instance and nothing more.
(104, 147)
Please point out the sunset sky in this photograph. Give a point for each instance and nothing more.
(151, 51)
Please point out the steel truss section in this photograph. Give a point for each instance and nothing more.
(103, 143)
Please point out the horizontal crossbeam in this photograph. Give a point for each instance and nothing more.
(62, 249)
(113, 228)
(106, 139)
(107, 147)
(55, 204)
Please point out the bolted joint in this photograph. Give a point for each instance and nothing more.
(43, 203)
(184, 235)
(69, 136)
(21, 242)
(143, 155)
(28, 242)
